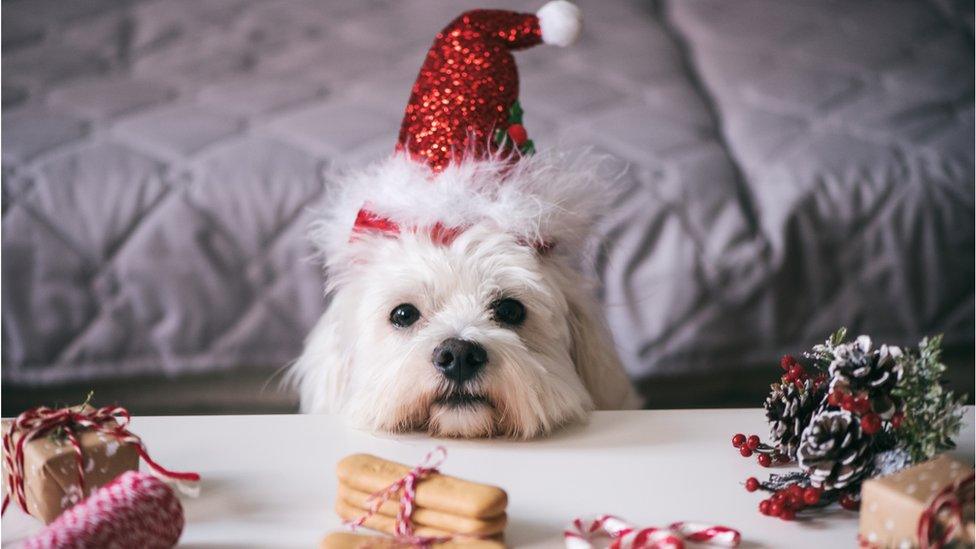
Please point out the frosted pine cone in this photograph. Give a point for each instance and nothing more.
(856, 367)
(834, 451)
(789, 410)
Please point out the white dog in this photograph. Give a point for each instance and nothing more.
(455, 308)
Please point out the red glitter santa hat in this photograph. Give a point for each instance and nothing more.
(465, 99)
(463, 156)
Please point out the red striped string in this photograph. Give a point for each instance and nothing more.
(948, 499)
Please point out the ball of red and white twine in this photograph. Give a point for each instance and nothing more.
(134, 510)
(624, 535)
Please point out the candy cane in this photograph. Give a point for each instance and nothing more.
(624, 535)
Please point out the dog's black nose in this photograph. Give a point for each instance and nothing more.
(459, 360)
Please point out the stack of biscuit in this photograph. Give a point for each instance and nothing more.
(346, 540)
(444, 506)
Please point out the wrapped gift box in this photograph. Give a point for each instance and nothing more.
(891, 506)
(51, 474)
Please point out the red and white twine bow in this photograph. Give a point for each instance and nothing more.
(111, 420)
(407, 486)
(624, 535)
(948, 499)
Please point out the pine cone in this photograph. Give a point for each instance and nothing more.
(856, 367)
(834, 451)
(789, 410)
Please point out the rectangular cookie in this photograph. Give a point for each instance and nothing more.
(429, 517)
(346, 540)
(383, 523)
(370, 474)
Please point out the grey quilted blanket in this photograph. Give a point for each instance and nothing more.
(789, 167)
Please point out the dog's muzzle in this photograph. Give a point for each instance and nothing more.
(459, 360)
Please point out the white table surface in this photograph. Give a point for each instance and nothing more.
(268, 481)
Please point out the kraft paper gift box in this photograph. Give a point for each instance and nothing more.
(51, 474)
(891, 506)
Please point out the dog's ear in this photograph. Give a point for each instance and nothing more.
(321, 373)
(595, 356)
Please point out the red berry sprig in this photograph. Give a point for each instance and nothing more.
(795, 372)
(860, 405)
(870, 423)
(752, 444)
(851, 502)
(786, 502)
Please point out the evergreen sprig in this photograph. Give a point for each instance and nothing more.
(823, 354)
(933, 414)
(58, 434)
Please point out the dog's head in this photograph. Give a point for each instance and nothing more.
(481, 333)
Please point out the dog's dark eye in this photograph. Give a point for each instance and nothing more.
(509, 311)
(404, 315)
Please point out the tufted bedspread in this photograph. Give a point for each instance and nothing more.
(788, 166)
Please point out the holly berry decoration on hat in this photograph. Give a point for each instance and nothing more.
(846, 412)
(514, 134)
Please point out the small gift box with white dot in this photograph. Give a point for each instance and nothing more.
(51, 477)
(932, 500)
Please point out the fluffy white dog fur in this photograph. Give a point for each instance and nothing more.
(549, 371)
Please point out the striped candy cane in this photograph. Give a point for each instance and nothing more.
(624, 535)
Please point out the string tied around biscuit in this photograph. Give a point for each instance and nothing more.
(624, 535)
(407, 488)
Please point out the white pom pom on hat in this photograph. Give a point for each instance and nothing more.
(560, 22)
